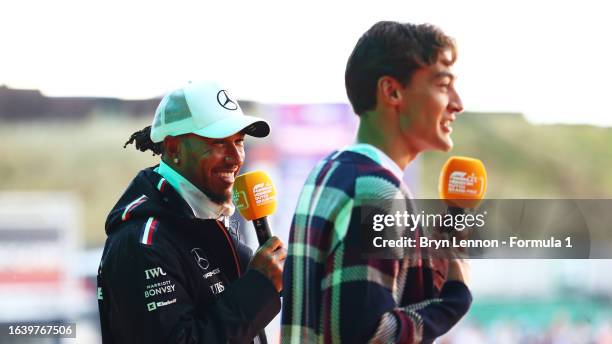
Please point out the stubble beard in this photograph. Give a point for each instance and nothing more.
(219, 198)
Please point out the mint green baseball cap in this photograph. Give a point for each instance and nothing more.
(204, 108)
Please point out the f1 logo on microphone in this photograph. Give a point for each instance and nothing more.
(263, 193)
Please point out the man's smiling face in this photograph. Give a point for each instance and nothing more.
(211, 164)
(430, 105)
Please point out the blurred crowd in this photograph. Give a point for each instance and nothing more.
(558, 332)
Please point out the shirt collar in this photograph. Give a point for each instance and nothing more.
(201, 205)
(378, 156)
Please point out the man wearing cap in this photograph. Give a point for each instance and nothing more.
(172, 271)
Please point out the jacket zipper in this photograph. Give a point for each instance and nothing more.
(233, 248)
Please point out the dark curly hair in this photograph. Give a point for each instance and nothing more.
(393, 49)
(143, 141)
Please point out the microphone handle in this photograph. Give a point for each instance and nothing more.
(474, 235)
(262, 229)
(454, 211)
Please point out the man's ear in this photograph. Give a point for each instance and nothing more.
(171, 147)
(389, 91)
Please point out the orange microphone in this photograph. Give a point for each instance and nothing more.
(463, 183)
(255, 198)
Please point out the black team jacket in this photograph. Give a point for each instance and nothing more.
(169, 277)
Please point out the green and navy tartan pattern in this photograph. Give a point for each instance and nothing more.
(334, 295)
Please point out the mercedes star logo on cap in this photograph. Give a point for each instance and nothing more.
(225, 101)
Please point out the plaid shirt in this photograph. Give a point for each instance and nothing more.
(335, 295)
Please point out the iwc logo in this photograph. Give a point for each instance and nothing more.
(225, 101)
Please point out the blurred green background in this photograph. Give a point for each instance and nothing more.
(515, 301)
(523, 160)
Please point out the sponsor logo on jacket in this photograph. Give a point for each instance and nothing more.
(212, 273)
(155, 305)
(201, 261)
(159, 289)
(155, 272)
(217, 288)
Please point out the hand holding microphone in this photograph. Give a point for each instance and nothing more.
(270, 260)
(255, 198)
(462, 185)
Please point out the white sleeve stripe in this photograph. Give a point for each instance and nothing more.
(129, 206)
(145, 234)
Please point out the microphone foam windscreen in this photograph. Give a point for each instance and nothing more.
(463, 182)
(254, 195)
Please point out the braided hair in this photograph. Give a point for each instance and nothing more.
(143, 141)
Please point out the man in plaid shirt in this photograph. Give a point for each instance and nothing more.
(400, 83)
